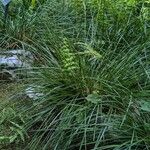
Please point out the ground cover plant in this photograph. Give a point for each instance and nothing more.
(11, 121)
(93, 70)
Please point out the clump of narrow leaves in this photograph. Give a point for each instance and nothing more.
(95, 105)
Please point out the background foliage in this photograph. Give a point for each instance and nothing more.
(93, 70)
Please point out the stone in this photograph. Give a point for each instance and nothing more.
(12, 60)
(32, 92)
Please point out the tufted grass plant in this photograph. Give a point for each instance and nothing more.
(91, 102)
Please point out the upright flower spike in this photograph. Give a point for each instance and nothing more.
(33, 4)
(68, 58)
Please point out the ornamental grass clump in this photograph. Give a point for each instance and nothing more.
(94, 105)
(68, 58)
